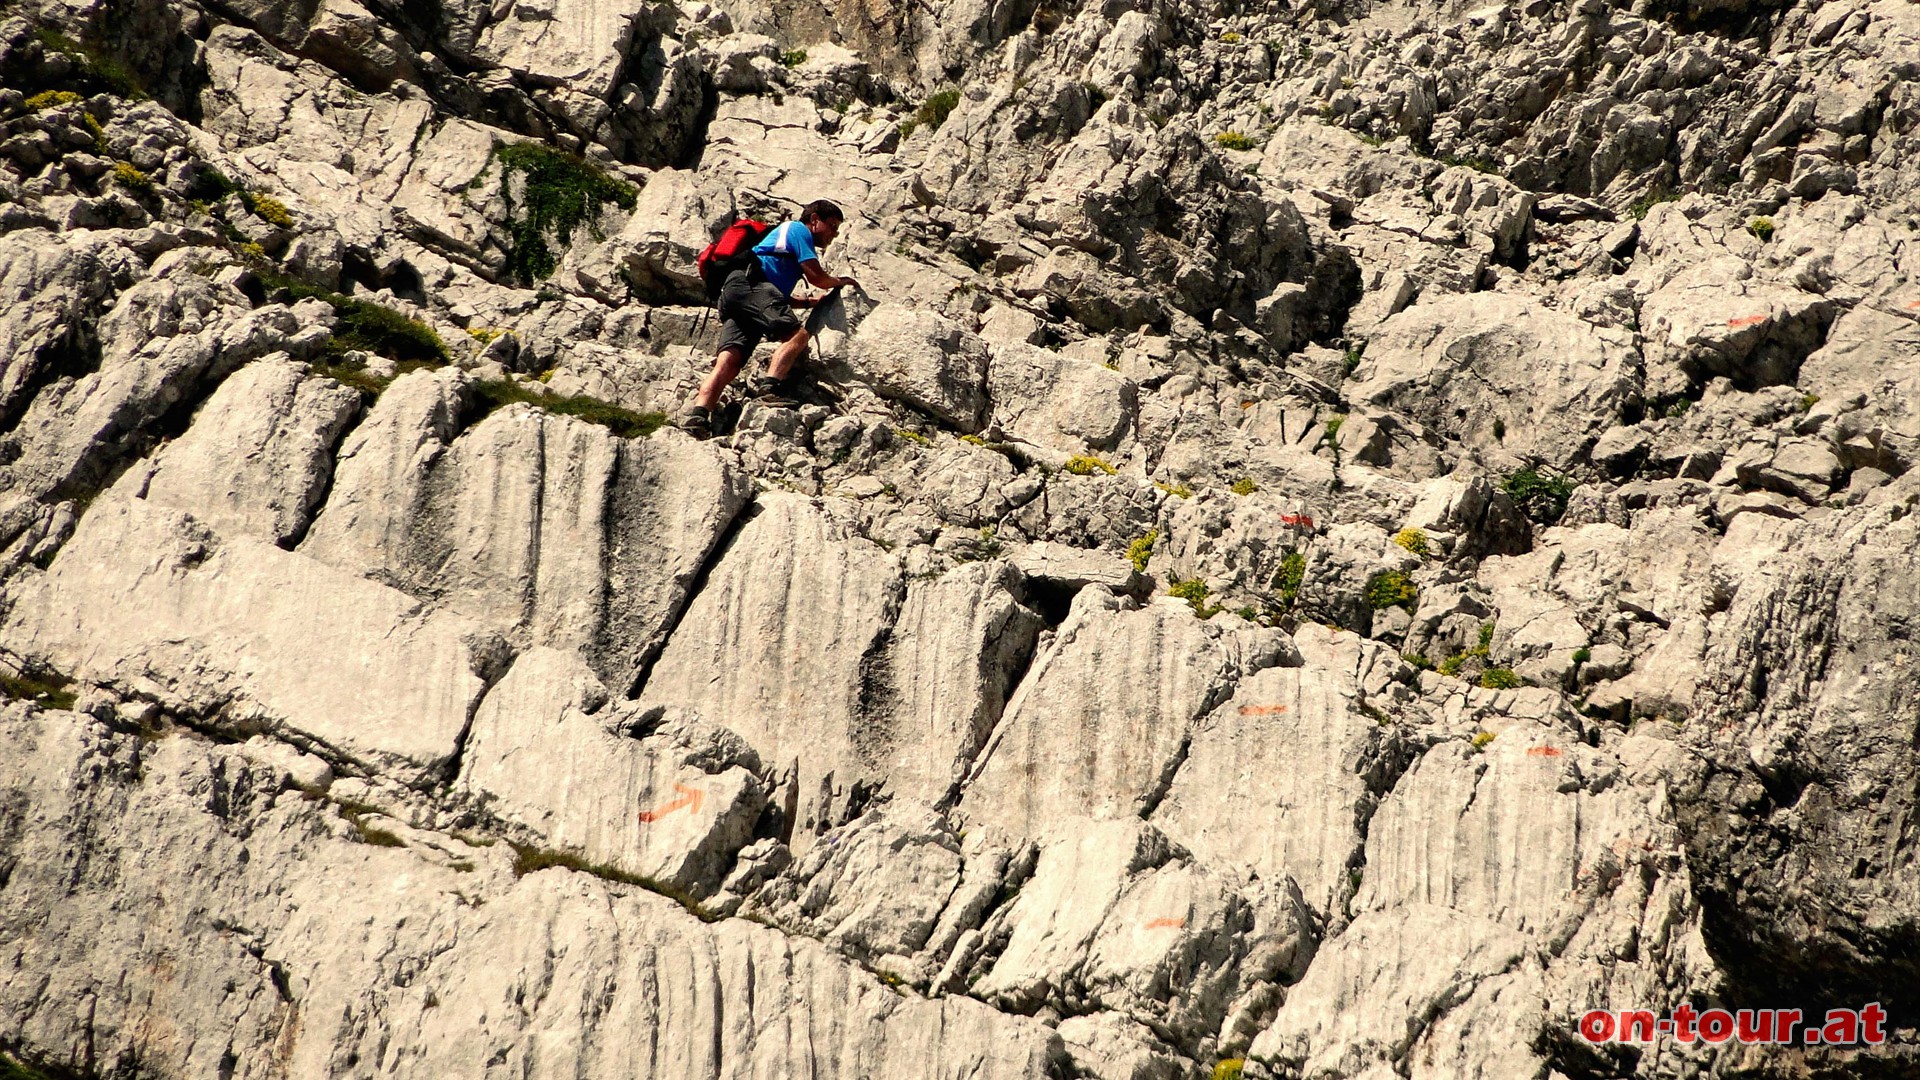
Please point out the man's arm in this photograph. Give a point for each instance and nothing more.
(820, 279)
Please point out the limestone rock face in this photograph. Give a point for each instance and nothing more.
(778, 643)
(291, 931)
(1099, 726)
(1328, 541)
(1473, 360)
(259, 460)
(602, 536)
(255, 638)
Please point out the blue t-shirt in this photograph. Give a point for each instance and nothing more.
(782, 252)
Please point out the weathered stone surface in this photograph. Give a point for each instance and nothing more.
(925, 361)
(253, 638)
(1098, 726)
(1469, 361)
(545, 527)
(259, 455)
(548, 752)
(776, 648)
(1281, 780)
(1369, 992)
(327, 951)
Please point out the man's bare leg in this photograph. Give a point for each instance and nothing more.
(726, 367)
(787, 355)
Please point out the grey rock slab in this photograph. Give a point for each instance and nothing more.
(259, 455)
(1102, 718)
(651, 806)
(776, 646)
(1116, 917)
(924, 360)
(1280, 780)
(547, 527)
(1371, 991)
(873, 889)
(315, 954)
(254, 637)
(1554, 382)
(1070, 404)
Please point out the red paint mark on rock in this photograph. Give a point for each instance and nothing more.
(1263, 710)
(1746, 320)
(1543, 751)
(690, 799)
(1302, 520)
(1166, 924)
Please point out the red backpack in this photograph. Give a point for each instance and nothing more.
(731, 252)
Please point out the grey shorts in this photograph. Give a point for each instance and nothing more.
(752, 310)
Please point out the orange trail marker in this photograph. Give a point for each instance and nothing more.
(1262, 710)
(690, 798)
(1543, 751)
(1746, 320)
(1163, 924)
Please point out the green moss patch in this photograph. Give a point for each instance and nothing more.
(624, 422)
(559, 192)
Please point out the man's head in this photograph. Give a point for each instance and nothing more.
(823, 219)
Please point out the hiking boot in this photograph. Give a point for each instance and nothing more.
(698, 423)
(776, 393)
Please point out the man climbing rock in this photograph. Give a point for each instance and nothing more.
(756, 304)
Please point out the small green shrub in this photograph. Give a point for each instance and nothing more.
(1141, 550)
(1352, 360)
(1418, 661)
(52, 99)
(1499, 429)
(1087, 465)
(1485, 642)
(907, 128)
(1391, 588)
(793, 58)
(1414, 540)
(934, 111)
(622, 421)
(50, 691)
(1451, 666)
(1229, 1068)
(1761, 228)
(1808, 401)
(378, 837)
(1293, 571)
(1195, 593)
(1638, 211)
(1500, 678)
(1234, 140)
(560, 193)
(1481, 739)
(1231, 37)
(127, 176)
(98, 71)
(1334, 422)
(487, 335)
(1177, 489)
(1244, 486)
(12, 1068)
(376, 329)
(1540, 494)
(267, 209)
(1581, 655)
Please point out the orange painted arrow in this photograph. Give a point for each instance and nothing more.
(690, 798)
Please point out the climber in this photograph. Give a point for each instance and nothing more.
(757, 302)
